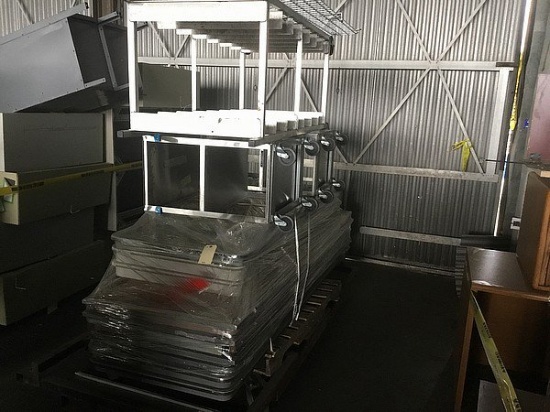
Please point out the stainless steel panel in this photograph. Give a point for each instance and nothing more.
(226, 177)
(68, 196)
(64, 63)
(38, 67)
(165, 87)
(37, 141)
(173, 175)
(44, 239)
(115, 38)
(37, 286)
(89, 50)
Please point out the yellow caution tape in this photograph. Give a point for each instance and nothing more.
(515, 104)
(466, 146)
(9, 190)
(504, 383)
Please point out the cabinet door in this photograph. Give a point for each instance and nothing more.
(532, 249)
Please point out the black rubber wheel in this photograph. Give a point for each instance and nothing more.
(286, 223)
(312, 148)
(340, 139)
(310, 203)
(326, 196)
(338, 185)
(328, 143)
(290, 156)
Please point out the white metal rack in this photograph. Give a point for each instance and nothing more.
(263, 27)
(249, 26)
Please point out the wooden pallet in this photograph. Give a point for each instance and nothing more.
(311, 316)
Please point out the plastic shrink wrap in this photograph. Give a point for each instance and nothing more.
(160, 317)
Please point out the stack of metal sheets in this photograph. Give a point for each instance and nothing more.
(171, 313)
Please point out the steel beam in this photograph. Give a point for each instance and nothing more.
(498, 120)
(324, 90)
(131, 33)
(413, 236)
(262, 72)
(416, 35)
(182, 46)
(193, 74)
(415, 171)
(345, 64)
(298, 75)
(242, 78)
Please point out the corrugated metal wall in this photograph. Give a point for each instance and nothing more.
(15, 14)
(422, 132)
(385, 35)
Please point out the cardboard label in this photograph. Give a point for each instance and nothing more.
(207, 255)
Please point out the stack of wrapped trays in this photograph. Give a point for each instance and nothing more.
(160, 317)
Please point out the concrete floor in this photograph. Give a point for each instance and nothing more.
(385, 349)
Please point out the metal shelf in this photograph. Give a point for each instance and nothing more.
(235, 124)
(283, 35)
(262, 26)
(235, 22)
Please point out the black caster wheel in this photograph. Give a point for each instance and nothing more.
(286, 156)
(340, 139)
(326, 196)
(310, 203)
(312, 148)
(338, 185)
(285, 223)
(328, 143)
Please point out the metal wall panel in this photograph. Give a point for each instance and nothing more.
(12, 17)
(421, 205)
(384, 33)
(422, 133)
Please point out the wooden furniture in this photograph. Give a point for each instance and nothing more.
(494, 274)
(534, 237)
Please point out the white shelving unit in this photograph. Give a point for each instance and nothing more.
(261, 27)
